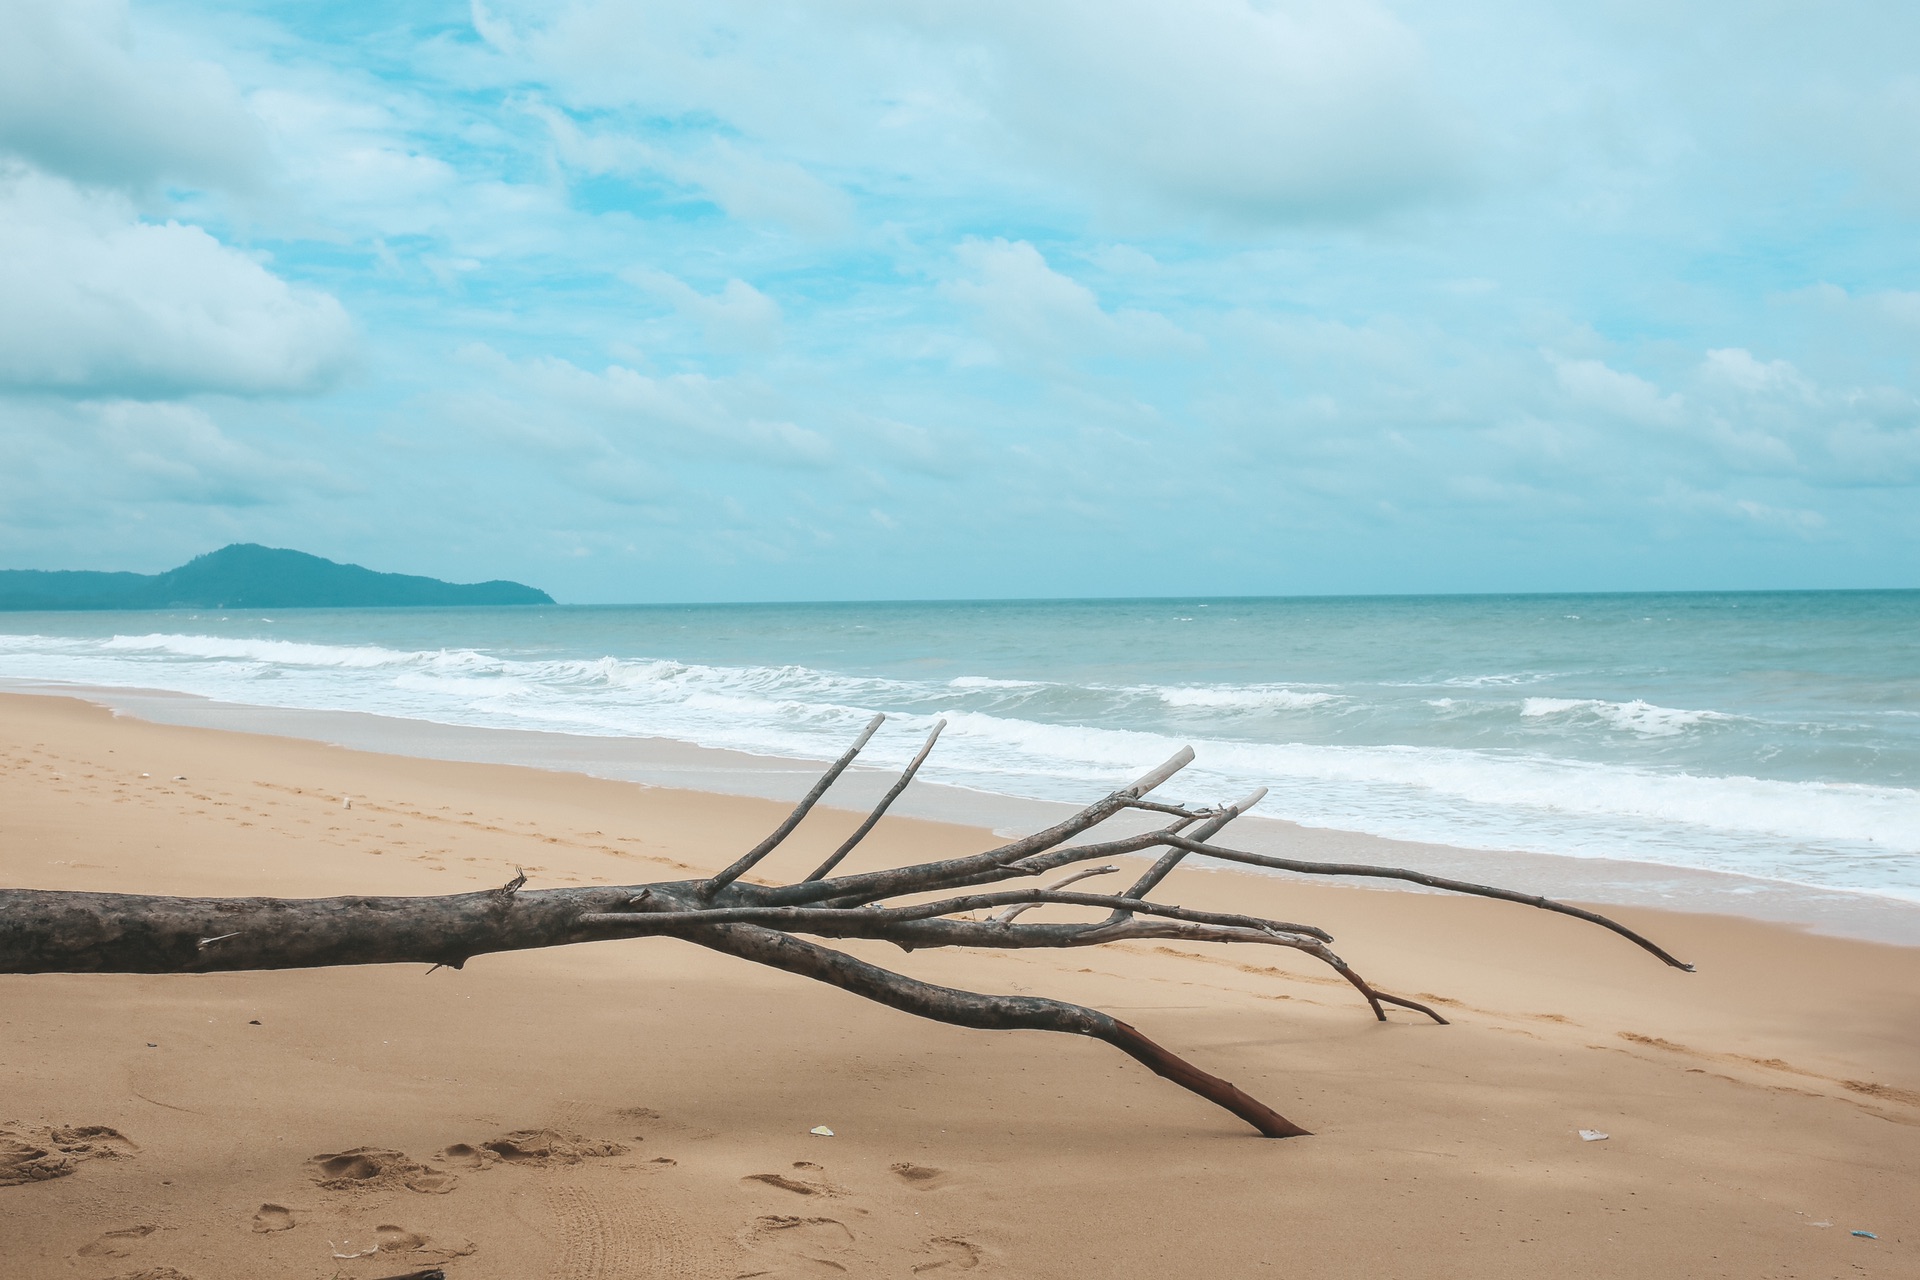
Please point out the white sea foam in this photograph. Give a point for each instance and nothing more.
(1244, 697)
(1637, 716)
(1544, 785)
(286, 652)
(1496, 680)
(1004, 736)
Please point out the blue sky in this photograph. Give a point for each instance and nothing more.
(848, 299)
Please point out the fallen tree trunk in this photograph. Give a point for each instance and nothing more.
(49, 931)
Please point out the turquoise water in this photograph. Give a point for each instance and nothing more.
(1772, 734)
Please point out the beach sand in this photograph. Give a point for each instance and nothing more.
(648, 1103)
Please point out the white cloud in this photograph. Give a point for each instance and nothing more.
(178, 453)
(687, 414)
(1594, 385)
(1736, 369)
(1036, 315)
(1871, 313)
(738, 318)
(1760, 417)
(1236, 111)
(748, 184)
(1768, 415)
(763, 189)
(356, 157)
(82, 455)
(945, 454)
(95, 302)
(1624, 304)
(1801, 520)
(77, 100)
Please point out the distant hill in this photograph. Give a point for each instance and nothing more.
(246, 576)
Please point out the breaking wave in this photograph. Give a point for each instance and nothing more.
(1520, 771)
(1629, 717)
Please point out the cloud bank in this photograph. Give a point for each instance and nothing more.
(840, 298)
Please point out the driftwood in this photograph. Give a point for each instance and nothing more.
(66, 932)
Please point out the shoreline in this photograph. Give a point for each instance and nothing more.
(667, 762)
(644, 1107)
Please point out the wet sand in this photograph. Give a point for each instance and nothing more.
(642, 1108)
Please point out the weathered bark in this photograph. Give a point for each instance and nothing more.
(44, 931)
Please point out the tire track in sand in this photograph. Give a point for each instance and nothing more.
(610, 1223)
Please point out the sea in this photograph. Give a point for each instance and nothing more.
(1769, 737)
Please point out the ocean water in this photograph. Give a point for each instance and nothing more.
(1775, 735)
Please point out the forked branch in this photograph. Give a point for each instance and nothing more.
(51, 932)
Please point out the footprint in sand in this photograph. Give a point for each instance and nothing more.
(549, 1146)
(368, 1168)
(468, 1157)
(807, 1179)
(117, 1244)
(535, 1148)
(949, 1254)
(919, 1176)
(656, 1125)
(392, 1239)
(792, 1246)
(35, 1153)
(273, 1217)
(154, 1273)
(23, 1160)
(389, 1238)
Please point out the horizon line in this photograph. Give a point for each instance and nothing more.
(1204, 599)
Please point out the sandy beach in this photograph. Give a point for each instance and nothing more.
(643, 1108)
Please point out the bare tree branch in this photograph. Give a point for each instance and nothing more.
(874, 922)
(992, 1013)
(957, 871)
(752, 856)
(879, 810)
(1205, 831)
(69, 932)
(1013, 912)
(1430, 881)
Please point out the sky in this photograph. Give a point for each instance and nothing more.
(851, 299)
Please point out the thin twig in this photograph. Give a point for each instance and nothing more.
(886, 802)
(1431, 882)
(1206, 830)
(955, 871)
(752, 856)
(1013, 912)
(965, 872)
